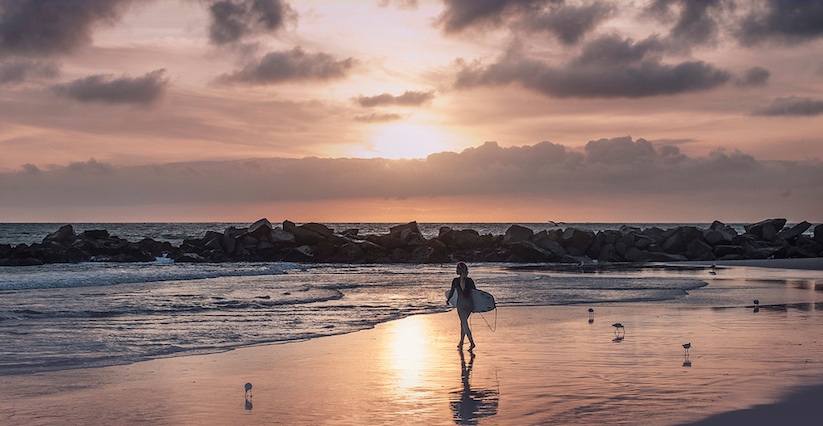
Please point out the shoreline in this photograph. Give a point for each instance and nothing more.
(811, 264)
(408, 370)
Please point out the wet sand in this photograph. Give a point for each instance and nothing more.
(541, 365)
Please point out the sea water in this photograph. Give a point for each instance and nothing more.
(60, 316)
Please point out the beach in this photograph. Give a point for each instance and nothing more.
(540, 365)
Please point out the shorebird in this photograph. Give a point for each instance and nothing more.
(686, 347)
(756, 302)
(248, 390)
(591, 315)
(618, 327)
(756, 305)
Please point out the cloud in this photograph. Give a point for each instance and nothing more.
(793, 107)
(234, 20)
(608, 67)
(46, 27)
(460, 15)
(695, 22)
(753, 77)
(90, 167)
(290, 65)
(377, 117)
(570, 23)
(782, 22)
(616, 172)
(123, 90)
(18, 71)
(408, 98)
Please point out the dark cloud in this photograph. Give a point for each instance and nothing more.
(695, 22)
(793, 107)
(755, 76)
(18, 71)
(783, 21)
(91, 166)
(291, 65)
(569, 23)
(30, 168)
(234, 20)
(619, 172)
(460, 15)
(123, 90)
(609, 67)
(619, 151)
(408, 98)
(44, 27)
(377, 117)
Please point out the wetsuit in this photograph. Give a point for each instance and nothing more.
(464, 299)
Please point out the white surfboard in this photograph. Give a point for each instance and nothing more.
(483, 302)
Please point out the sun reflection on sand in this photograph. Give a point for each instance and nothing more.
(408, 355)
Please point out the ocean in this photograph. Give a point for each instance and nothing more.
(61, 316)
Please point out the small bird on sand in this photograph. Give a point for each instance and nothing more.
(618, 327)
(591, 315)
(686, 347)
(756, 302)
(248, 390)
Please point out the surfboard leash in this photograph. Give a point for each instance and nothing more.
(493, 329)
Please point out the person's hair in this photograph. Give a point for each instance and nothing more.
(463, 266)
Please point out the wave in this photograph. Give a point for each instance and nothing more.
(97, 274)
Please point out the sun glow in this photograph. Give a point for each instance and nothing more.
(396, 141)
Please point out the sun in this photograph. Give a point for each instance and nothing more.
(404, 141)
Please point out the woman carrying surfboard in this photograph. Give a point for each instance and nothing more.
(463, 285)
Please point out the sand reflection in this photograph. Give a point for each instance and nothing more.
(408, 354)
(469, 405)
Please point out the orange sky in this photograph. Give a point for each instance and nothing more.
(656, 110)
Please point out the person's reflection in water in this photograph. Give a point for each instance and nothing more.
(468, 405)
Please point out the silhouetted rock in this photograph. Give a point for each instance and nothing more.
(517, 233)
(314, 242)
(792, 233)
(765, 230)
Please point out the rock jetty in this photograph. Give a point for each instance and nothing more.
(316, 243)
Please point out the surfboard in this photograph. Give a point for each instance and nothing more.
(483, 302)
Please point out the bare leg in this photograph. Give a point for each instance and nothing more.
(465, 331)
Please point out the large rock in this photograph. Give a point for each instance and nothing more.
(699, 250)
(408, 233)
(260, 229)
(64, 235)
(795, 231)
(517, 233)
(577, 241)
(765, 230)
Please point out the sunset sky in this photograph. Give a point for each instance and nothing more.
(401, 110)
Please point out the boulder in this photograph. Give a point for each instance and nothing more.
(699, 250)
(349, 253)
(818, 233)
(95, 234)
(64, 235)
(527, 251)
(462, 240)
(517, 233)
(319, 229)
(729, 252)
(765, 230)
(280, 237)
(577, 241)
(795, 231)
(229, 241)
(260, 229)
(409, 232)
